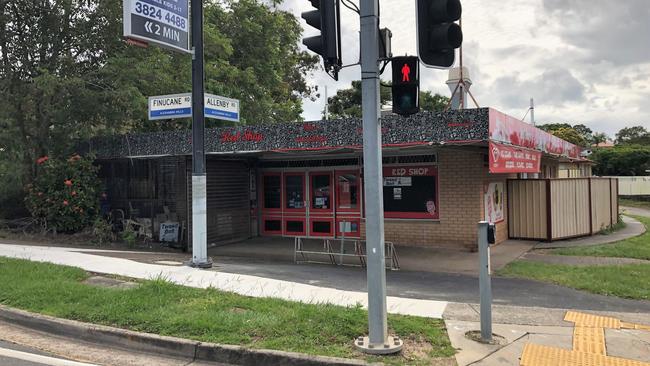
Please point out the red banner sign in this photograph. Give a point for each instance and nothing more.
(510, 159)
(507, 129)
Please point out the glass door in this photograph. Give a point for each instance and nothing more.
(321, 204)
(295, 204)
(348, 204)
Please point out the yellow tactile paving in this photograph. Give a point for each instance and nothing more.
(589, 320)
(537, 355)
(589, 345)
(625, 325)
(588, 339)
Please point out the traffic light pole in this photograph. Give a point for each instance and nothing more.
(378, 341)
(199, 184)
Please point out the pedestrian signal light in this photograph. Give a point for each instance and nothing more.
(406, 85)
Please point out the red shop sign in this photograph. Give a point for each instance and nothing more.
(409, 171)
(510, 159)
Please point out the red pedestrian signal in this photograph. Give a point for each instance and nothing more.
(406, 85)
(406, 71)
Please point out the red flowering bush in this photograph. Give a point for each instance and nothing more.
(65, 193)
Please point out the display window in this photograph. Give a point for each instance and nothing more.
(272, 192)
(411, 192)
(321, 193)
(348, 188)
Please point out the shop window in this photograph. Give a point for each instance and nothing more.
(321, 192)
(322, 227)
(347, 198)
(411, 192)
(294, 227)
(272, 192)
(294, 191)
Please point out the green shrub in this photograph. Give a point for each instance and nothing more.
(65, 193)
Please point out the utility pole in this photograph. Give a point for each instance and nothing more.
(378, 341)
(199, 179)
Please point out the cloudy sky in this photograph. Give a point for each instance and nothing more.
(584, 61)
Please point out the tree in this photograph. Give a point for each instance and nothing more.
(550, 127)
(570, 135)
(433, 102)
(633, 135)
(66, 74)
(599, 137)
(622, 160)
(579, 134)
(347, 102)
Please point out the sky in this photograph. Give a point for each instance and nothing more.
(583, 61)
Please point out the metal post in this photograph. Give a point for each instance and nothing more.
(532, 112)
(378, 340)
(485, 284)
(327, 105)
(199, 184)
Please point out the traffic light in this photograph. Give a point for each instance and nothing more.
(438, 35)
(326, 18)
(406, 85)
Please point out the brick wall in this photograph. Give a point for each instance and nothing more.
(463, 178)
(460, 183)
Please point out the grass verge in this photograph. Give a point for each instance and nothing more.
(622, 281)
(637, 247)
(634, 203)
(212, 316)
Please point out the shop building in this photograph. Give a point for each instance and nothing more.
(442, 173)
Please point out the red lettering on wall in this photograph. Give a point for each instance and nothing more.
(246, 136)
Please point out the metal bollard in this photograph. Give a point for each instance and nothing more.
(485, 282)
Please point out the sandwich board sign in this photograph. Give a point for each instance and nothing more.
(162, 22)
(170, 106)
(223, 108)
(180, 106)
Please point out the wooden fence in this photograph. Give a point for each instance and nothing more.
(554, 209)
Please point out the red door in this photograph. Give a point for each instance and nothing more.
(348, 203)
(294, 204)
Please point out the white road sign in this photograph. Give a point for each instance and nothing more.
(180, 106)
(223, 108)
(170, 106)
(163, 22)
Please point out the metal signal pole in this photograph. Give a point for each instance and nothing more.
(199, 182)
(378, 341)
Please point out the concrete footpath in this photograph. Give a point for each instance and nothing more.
(518, 327)
(237, 283)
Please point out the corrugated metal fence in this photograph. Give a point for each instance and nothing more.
(553, 209)
(634, 186)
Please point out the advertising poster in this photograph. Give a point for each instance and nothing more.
(494, 202)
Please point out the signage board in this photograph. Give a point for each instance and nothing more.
(170, 106)
(169, 232)
(511, 159)
(180, 106)
(162, 22)
(223, 108)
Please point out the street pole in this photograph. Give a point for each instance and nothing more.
(199, 184)
(378, 341)
(485, 282)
